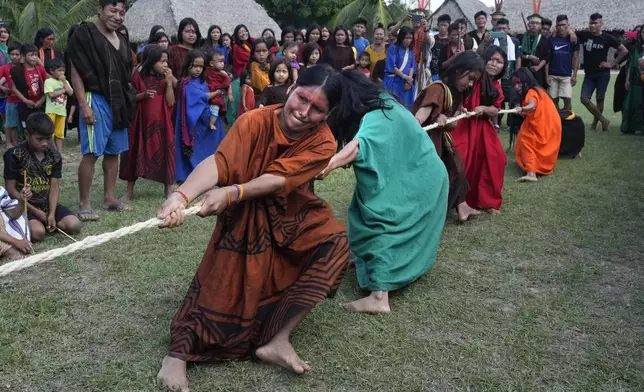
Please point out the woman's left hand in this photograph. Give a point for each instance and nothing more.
(216, 201)
(328, 169)
(172, 211)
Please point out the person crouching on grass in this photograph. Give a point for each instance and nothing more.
(57, 89)
(14, 243)
(43, 165)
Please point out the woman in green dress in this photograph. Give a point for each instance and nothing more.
(398, 210)
(632, 113)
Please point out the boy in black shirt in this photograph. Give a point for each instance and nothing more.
(43, 166)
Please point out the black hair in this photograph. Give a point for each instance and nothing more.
(158, 36)
(311, 28)
(28, 48)
(105, 3)
(503, 21)
(153, 32)
(5, 25)
(230, 70)
(380, 26)
(236, 34)
(208, 40)
(243, 75)
(191, 56)
(489, 93)
(361, 21)
(379, 70)
(445, 18)
(480, 13)
(12, 47)
(39, 124)
(332, 36)
(546, 22)
(173, 39)
(453, 27)
(252, 51)
(456, 67)
(289, 45)
(214, 52)
(274, 64)
(390, 25)
(527, 82)
(461, 21)
(41, 35)
(402, 33)
(350, 96)
(308, 50)
(54, 64)
(287, 30)
(271, 42)
(596, 16)
(561, 18)
(185, 22)
(151, 55)
(298, 33)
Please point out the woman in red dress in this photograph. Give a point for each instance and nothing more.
(242, 45)
(476, 139)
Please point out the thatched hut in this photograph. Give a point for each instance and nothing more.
(618, 14)
(458, 9)
(168, 13)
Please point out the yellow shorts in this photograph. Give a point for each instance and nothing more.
(59, 125)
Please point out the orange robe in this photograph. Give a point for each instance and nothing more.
(539, 139)
(269, 258)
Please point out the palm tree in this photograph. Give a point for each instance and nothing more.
(25, 17)
(374, 11)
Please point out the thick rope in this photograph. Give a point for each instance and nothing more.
(466, 115)
(85, 243)
(93, 241)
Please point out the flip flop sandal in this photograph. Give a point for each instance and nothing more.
(92, 213)
(120, 207)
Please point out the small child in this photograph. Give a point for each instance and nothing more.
(57, 89)
(364, 62)
(43, 166)
(290, 53)
(310, 55)
(29, 82)
(14, 242)
(12, 118)
(246, 94)
(281, 79)
(218, 83)
(259, 66)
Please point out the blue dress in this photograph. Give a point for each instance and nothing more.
(222, 49)
(395, 84)
(194, 142)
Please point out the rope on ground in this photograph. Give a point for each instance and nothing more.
(85, 243)
(466, 115)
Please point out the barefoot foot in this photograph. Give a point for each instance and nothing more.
(493, 211)
(593, 126)
(605, 123)
(528, 178)
(465, 212)
(282, 353)
(173, 374)
(377, 302)
(127, 197)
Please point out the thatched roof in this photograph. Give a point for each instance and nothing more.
(461, 9)
(168, 13)
(618, 14)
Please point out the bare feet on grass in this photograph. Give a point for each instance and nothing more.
(529, 177)
(605, 123)
(465, 212)
(173, 374)
(282, 353)
(376, 302)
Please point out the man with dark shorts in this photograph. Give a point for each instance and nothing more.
(101, 76)
(595, 45)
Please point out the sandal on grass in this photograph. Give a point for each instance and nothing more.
(119, 207)
(87, 215)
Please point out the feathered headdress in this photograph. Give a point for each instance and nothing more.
(497, 8)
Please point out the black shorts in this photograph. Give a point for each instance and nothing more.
(60, 214)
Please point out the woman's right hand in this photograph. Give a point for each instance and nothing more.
(88, 115)
(22, 245)
(328, 169)
(172, 211)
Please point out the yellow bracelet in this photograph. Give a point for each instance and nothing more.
(227, 195)
(241, 193)
(185, 198)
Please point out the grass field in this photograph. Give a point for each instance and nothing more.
(547, 296)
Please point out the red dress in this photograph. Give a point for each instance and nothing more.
(241, 55)
(151, 136)
(250, 100)
(479, 144)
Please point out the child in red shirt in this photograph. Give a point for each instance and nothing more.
(29, 82)
(218, 81)
(364, 61)
(12, 119)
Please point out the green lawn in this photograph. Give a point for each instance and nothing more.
(547, 296)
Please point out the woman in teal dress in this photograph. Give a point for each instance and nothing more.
(633, 111)
(399, 205)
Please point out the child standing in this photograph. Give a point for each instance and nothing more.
(57, 89)
(246, 94)
(259, 66)
(310, 55)
(290, 52)
(193, 140)
(364, 64)
(43, 166)
(12, 117)
(29, 82)
(218, 83)
(281, 79)
(151, 135)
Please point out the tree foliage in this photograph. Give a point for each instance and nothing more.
(25, 17)
(301, 13)
(374, 11)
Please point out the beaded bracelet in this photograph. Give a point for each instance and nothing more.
(240, 192)
(185, 198)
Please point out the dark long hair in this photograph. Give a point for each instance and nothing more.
(157, 37)
(308, 32)
(151, 55)
(252, 51)
(208, 40)
(185, 22)
(41, 35)
(332, 43)
(402, 33)
(527, 82)
(307, 50)
(273, 41)
(489, 93)
(274, 64)
(286, 30)
(153, 32)
(457, 67)
(350, 96)
(191, 56)
(236, 33)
